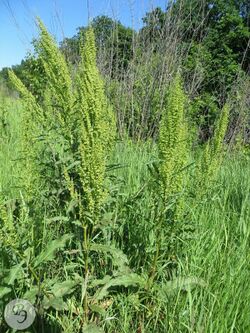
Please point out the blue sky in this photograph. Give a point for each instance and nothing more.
(62, 17)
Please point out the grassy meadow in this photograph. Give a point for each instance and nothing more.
(105, 233)
(207, 255)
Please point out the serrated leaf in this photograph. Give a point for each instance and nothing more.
(131, 279)
(182, 283)
(48, 253)
(119, 258)
(100, 282)
(77, 222)
(63, 288)
(54, 302)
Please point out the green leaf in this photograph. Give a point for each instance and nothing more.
(48, 253)
(64, 288)
(30, 295)
(100, 282)
(92, 328)
(72, 204)
(4, 291)
(54, 302)
(119, 258)
(131, 279)
(58, 218)
(77, 222)
(72, 165)
(98, 309)
(182, 283)
(13, 274)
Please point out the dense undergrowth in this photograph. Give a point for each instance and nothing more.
(108, 235)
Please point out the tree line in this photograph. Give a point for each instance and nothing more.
(209, 40)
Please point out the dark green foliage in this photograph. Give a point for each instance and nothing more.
(31, 73)
(113, 42)
(216, 36)
(154, 26)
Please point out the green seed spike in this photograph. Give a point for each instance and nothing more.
(97, 126)
(173, 148)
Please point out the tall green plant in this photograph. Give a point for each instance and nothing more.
(75, 125)
(173, 147)
(96, 127)
(72, 127)
(212, 156)
(173, 155)
(32, 119)
(59, 83)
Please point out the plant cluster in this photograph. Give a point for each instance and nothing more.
(109, 235)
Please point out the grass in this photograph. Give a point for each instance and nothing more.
(208, 253)
(216, 251)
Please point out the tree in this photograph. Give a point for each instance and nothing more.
(153, 28)
(216, 36)
(113, 42)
